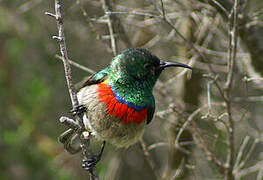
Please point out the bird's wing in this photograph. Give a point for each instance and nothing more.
(93, 79)
(151, 110)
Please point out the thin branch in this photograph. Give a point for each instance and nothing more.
(107, 8)
(209, 95)
(156, 145)
(200, 140)
(149, 159)
(249, 99)
(260, 174)
(63, 49)
(232, 49)
(205, 147)
(84, 68)
(241, 151)
(134, 13)
(221, 7)
(246, 79)
(73, 96)
(249, 170)
(186, 123)
(179, 170)
(243, 163)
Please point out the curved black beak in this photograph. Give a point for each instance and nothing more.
(165, 64)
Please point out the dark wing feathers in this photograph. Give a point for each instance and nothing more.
(93, 79)
(151, 110)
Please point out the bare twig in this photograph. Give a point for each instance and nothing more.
(84, 68)
(156, 145)
(243, 163)
(179, 170)
(149, 159)
(221, 7)
(106, 8)
(205, 147)
(249, 99)
(209, 96)
(260, 174)
(246, 79)
(134, 13)
(186, 123)
(232, 48)
(63, 49)
(249, 170)
(200, 140)
(241, 151)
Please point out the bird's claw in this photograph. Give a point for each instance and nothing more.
(88, 164)
(91, 162)
(78, 110)
(70, 140)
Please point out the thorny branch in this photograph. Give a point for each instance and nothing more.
(232, 48)
(63, 49)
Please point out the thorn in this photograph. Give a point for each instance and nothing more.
(86, 134)
(51, 15)
(58, 18)
(57, 38)
(69, 122)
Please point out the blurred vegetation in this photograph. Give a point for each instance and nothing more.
(33, 93)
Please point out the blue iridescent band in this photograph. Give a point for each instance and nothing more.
(130, 104)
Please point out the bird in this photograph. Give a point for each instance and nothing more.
(118, 100)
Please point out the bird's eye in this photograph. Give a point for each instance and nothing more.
(147, 66)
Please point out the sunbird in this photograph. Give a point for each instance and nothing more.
(118, 100)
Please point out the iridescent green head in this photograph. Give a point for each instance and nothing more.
(138, 66)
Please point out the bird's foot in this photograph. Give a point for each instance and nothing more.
(91, 162)
(70, 140)
(88, 164)
(78, 110)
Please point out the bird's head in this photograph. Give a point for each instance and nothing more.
(138, 65)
